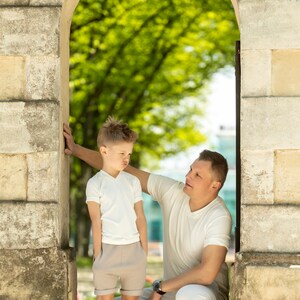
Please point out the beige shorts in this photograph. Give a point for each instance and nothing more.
(126, 263)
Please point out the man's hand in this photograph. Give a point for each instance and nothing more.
(70, 145)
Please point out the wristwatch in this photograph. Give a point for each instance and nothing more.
(157, 287)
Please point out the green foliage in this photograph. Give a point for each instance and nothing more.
(141, 61)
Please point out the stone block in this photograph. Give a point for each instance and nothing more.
(46, 2)
(267, 228)
(257, 169)
(266, 276)
(29, 31)
(256, 73)
(270, 123)
(28, 127)
(43, 176)
(285, 72)
(28, 225)
(13, 177)
(12, 77)
(41, 274)
(272, 282)
(42, 78)
(269, 24)
(14, 2)
(287, 177)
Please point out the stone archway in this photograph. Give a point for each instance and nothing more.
(35, 259)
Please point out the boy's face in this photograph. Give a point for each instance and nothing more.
(116, 156)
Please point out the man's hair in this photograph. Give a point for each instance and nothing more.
(218, 164)
(115, 131)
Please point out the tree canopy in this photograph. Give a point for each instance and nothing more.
(147, 63)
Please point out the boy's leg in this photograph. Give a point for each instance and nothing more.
(126, 297)
(105, 297)
(133, 275)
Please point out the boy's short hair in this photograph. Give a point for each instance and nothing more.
(218, 164)
(115, 131)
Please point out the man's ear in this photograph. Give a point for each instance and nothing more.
(103, 150)
(216, 185)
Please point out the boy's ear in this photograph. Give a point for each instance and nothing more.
(103, 150)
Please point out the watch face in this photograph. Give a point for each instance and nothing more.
(155, 285)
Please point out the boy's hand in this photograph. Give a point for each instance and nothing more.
(70, 145)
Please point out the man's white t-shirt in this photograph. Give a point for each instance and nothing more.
(187, 233)
(117, 197)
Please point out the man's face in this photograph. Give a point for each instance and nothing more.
(199, 182)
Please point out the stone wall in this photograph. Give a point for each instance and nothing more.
(35, 259)
(268, 265)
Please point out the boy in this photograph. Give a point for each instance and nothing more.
(115, 206)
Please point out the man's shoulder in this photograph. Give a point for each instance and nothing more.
(219, 208)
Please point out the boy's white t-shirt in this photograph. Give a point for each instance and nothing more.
(117, 197)
(187, 233)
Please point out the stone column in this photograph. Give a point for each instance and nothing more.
(268, 264)
(35, 259)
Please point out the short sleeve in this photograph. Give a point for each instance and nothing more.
(92, 191)
(218, 231)
(137, 189)
(162, 187)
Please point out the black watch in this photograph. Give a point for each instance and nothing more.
(157, 287)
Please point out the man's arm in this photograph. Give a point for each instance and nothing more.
(94, 159)
(205, 273)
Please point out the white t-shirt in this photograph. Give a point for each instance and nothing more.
(117, 197)
(187, 233)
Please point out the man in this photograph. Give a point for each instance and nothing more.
(196, 222)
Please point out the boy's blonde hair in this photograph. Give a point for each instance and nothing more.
(115, 131)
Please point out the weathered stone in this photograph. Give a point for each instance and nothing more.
(256, 70)
(43, 176)
(269, 24)
(29, 31)
(14, 2)
(263, 228)
(287, 177)
(270, 123)
(28, 127)
(285, 72)
(259, 276)
(37, 274)
(12, 77)
(46, 2)
(13, 177)
(28, 225)
(42, 78)
(257, 169)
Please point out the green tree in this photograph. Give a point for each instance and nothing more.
(140, 61)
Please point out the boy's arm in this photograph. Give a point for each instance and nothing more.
(141, 224)
(95, 216)
(94, 159)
